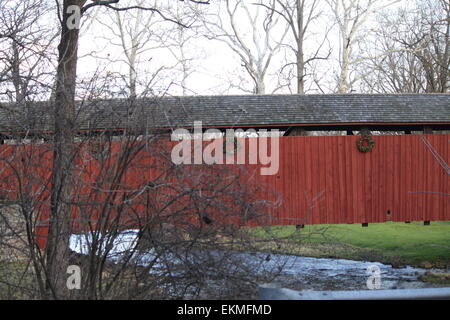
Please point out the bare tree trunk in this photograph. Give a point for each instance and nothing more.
(57, 249)
(16, 77)
(344, 82)
(260, 87)
(350, 16)
(445, 63)
(298, 15)
(133, 77)
(300, 51)
(254, 50)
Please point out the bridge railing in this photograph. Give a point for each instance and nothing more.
(274, 292)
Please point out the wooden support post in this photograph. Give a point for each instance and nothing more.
(427, 130)
(298, 132)
(364, 130)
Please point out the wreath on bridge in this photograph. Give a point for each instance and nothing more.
(365, 142)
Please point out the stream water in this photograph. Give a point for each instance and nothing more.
(302, 273)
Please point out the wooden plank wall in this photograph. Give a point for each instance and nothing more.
(326, 180)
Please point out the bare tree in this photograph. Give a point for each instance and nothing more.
(351, 16)
(25, 49)
(299, 15)
(70, 12)
(181, 43)
(141, 35)
(134, 32)
(253, 33)
(411, 51)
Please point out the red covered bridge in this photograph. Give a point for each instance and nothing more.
(323, 177)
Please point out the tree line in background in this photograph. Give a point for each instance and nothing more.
(278, 46)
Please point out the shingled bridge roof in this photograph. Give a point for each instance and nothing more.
(241, 111)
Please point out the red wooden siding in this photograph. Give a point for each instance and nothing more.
(321, 180)
(399, 180)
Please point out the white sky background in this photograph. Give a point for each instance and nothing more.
(214, 65)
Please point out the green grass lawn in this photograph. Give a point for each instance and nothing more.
(391, 242)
